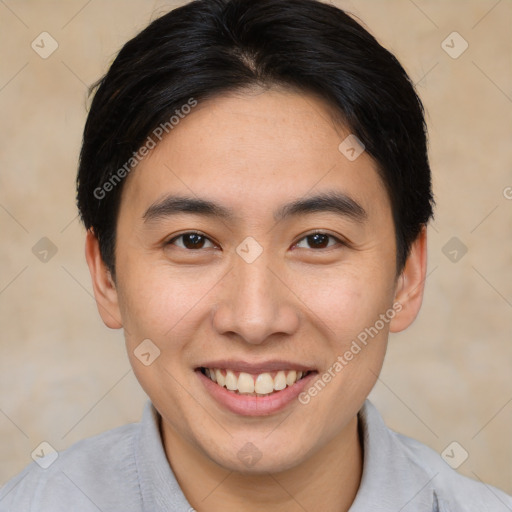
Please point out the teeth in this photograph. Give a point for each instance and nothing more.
(246, 383)
(231, 381)
(291, 377)
(280, 381)
(259, 385)
(211, 374)
(219, 377)
(264, 384)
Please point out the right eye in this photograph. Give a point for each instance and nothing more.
(191, 240)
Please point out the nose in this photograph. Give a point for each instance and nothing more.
(255, 303)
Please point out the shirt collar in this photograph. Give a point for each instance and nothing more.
(391, 482)
(158, 486)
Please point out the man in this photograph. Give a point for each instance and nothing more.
(255, 185)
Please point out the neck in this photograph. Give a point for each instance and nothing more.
(327, 481)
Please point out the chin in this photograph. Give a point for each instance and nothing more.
(250, 460)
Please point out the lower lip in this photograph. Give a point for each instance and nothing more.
(253, 405)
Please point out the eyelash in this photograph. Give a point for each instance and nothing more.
(317, 232)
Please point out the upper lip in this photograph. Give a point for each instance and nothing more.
(256, 367)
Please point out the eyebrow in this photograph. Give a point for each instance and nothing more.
(332, 201)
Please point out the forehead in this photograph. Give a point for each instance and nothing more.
(254, 147)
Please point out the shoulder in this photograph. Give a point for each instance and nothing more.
(89, 473)
(413, 477)
(453, 491)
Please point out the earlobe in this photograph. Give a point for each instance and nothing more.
(411, 283)
(104, 287)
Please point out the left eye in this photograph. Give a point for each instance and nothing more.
(318, 241)
(191, 241)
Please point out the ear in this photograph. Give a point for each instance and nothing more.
(104, 287)
(410, 285)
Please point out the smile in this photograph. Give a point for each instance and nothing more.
(254, 389)
(261, 384)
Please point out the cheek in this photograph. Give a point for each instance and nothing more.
(160, 302)
(158, 305)
(347, 301)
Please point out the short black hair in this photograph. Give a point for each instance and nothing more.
(209, 47)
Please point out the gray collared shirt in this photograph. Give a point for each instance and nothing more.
(126, 470)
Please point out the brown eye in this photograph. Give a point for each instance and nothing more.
(191, 241)
(318, 241)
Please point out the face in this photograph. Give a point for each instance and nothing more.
(255, 256)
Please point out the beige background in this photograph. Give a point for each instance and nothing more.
(64, 376)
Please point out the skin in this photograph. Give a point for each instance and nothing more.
(254, 151)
